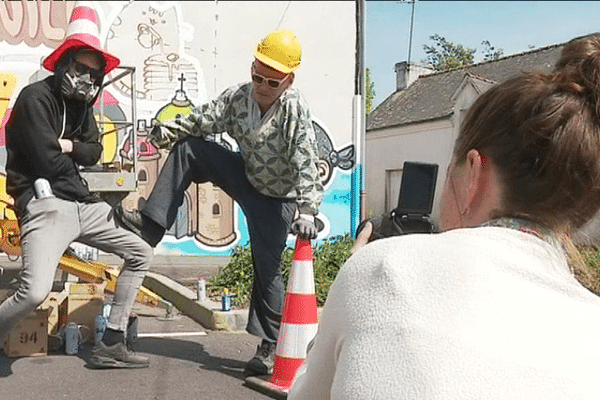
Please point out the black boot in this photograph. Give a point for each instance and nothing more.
(263, 361)
(112, 352)
(141, 225)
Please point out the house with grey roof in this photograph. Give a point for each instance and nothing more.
(420, 120)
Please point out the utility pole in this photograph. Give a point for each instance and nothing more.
(358, 202)
(412, 20)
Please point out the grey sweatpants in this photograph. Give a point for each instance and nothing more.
(48, 226)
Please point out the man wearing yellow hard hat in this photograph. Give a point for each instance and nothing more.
(274, 176)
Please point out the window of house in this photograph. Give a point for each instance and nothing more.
(393, 177)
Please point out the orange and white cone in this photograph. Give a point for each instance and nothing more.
(299, 321)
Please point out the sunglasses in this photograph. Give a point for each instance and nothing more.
(272, 83)
(82, 69)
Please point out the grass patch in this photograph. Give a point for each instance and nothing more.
(590, 275)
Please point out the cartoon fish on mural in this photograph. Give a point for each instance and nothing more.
(329, 158)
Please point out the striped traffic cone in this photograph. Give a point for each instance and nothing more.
(299, 320)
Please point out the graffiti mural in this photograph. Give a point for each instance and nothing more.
(207, 213)
(154, 40)
(34, 22)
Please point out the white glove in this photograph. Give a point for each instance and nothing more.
(304, 226)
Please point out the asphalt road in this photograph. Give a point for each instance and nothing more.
(186, 362)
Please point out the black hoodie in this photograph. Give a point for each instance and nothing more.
(33, 150)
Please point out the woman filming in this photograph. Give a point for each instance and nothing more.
(490, 308)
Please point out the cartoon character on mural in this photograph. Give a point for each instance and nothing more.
(329, 158)
(152, 39)
(208, 212)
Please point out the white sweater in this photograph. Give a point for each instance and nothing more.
(482, 313)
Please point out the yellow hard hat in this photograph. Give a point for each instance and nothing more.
(280, 50)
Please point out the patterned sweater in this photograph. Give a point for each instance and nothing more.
(279, 149)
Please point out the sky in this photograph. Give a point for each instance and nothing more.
(513, 26)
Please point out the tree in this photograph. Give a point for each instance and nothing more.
(444, 54)
(370, 89)
(490, 53)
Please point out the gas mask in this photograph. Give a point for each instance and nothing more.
(79, 87)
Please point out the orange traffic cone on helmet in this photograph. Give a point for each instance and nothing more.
(299, 321)
(83, 32)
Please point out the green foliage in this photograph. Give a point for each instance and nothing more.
(445, 55)
(328, 257)
(238, 276)
(490, 53)
(589, 275)
(370, 92)
(592, 257)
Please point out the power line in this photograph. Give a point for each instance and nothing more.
(412, 19)
(284, 13)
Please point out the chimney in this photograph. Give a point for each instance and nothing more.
(407, 73)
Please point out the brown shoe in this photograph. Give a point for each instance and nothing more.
(263, 361)
(116, 356)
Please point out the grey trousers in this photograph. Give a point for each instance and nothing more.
(48, 226)
(193, 159)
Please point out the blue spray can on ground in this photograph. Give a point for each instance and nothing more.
(72, 338)
(99, 328)
(226, 300)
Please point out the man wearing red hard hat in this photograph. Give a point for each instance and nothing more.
(51, 132)
(274, 176)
